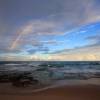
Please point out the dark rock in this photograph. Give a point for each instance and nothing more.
(23, 81)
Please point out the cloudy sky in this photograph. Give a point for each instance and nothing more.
(49, 30)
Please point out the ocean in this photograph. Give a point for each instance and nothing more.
(48, 71)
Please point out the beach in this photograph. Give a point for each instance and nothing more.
(81, 91)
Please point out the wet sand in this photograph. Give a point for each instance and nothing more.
(77, 92)
(62, 90)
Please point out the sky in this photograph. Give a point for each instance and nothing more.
(49, 30)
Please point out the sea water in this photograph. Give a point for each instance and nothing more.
(47, 71)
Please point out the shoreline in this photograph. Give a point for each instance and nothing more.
(7, 88)
(61, 90)
(83, 92)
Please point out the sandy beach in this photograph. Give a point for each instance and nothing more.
(82, 91)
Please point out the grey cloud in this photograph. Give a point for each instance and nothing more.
(43, 17)
(41, 49)
(70, 15)
(51, 16)
(92, 48)
(94, 39)
(65, 14)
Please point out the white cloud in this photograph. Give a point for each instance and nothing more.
(90, 52)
